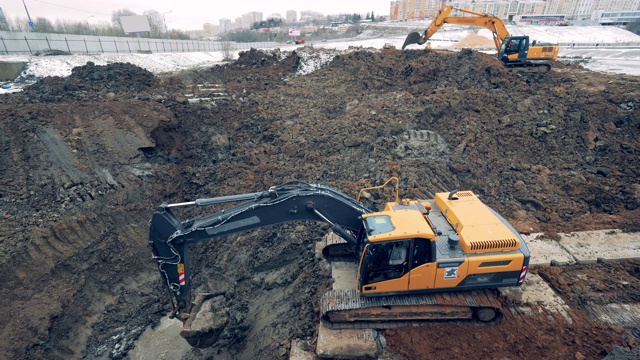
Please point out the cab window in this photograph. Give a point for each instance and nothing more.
(378, 224)
(513, 46)
(386, 261)
(420, 252)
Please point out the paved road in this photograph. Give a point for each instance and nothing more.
(617, 60)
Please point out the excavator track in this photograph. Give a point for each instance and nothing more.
(336, 248)
(346, 309)
(525, 67)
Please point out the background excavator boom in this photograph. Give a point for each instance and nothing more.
(513, 51)
(490, 22)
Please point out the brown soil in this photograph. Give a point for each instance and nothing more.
(86, 159)
(586, 288)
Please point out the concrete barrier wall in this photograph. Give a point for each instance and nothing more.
(10, 70)
(33, 43)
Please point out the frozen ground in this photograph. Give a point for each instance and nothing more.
(613, 53)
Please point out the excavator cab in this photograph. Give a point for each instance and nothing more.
(513, 48)
(391, 262)
(395, 267)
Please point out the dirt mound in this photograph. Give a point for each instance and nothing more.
(475, 41)
(116, 77)
(555, 152)
(249, 70)
(90, 80)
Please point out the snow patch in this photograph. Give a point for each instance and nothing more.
(313, 59)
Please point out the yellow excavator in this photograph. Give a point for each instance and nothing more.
(513, 51)
(415, 260)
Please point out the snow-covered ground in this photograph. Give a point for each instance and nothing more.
(619, 58)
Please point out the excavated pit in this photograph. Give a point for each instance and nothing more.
(86, 159)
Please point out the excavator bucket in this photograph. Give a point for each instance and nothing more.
(412, 38)
(205, 323)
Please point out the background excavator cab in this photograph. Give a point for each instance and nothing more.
(514, 47)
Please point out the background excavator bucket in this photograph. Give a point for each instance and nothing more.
(205, 323)
(412, 38)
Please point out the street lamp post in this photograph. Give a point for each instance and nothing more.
(88, 30)
(31, 25)
(164, 20)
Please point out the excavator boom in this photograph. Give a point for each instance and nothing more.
(294, 201)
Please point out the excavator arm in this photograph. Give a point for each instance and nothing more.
(293, 201)
(490, 22)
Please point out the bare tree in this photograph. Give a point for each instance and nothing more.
(106, 29)
(227, 51)
(43, 25)
(20, 24)
(117, 14)
(156, 23)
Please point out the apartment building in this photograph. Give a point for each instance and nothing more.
(225, 25)
(291, 16)
(588, 9)
(249, 18)
(507, 10)
(308, 16)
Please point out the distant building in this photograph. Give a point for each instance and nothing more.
(207, 30)
(395, 11)
(210, 30)
(274, 16)
(507, 10)
(547, 19)
(225, 25)
(308, 16)
(291, 16)
(249, 18)
(195, 34)
(616, 18)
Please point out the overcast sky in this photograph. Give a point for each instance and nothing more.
(185, 14)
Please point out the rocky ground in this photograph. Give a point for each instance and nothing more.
(86, 159)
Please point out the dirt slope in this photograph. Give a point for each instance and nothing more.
(86, 159)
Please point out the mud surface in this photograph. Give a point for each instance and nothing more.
(587, 289)
(86, 159)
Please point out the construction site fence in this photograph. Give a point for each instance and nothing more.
(39, 43)
(585, 44)
(595, 44)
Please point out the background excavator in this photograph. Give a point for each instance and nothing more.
(416, 260)
(513, 51)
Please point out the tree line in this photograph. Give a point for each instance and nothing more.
(159, 29)
(157, 25)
